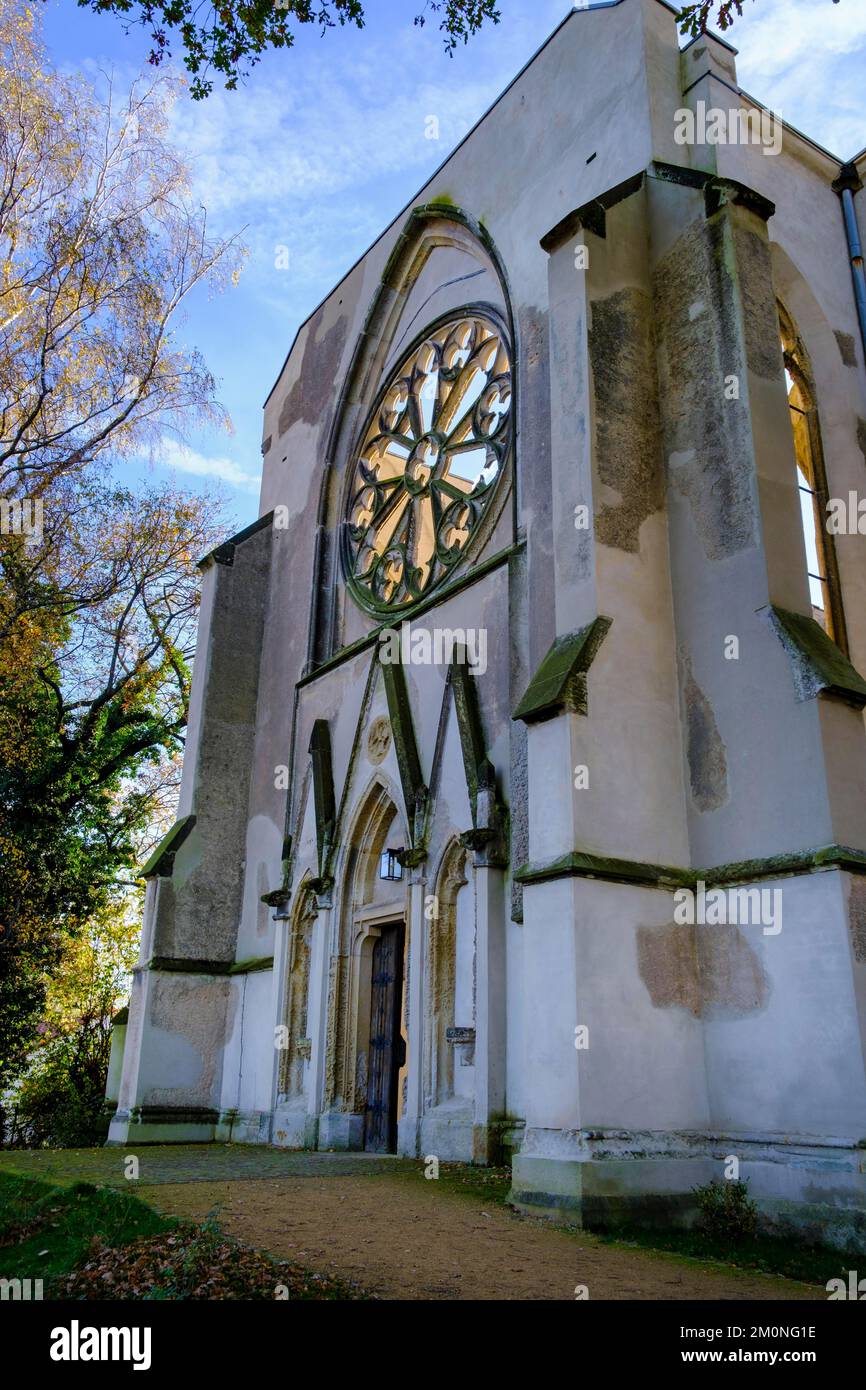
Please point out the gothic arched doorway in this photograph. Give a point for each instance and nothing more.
(387, 1049)
(367, 1056)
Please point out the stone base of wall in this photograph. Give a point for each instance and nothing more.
(446, 1132)
(292, 1127)
(158, 1125)
(244, 1127)
(339, 1130)
(813, 1190)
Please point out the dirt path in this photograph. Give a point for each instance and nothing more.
(410, 1239)
(375, 1220)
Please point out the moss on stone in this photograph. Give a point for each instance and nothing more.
(560, 681)
(249, 967)
(582, 864)
(818, 664)
(161, 861)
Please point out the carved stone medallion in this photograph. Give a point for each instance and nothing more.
(378, 740)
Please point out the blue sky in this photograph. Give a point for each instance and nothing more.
(326, 142)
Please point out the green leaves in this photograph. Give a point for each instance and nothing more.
(229, 39)
(99, 602)
(94, 692)
(696, 18)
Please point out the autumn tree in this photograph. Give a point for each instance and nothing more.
(100, 244)
(59, 1102)
(94, 691)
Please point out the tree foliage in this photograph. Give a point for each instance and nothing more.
(60, 1100)
(100, 244)
(229, 39)
(695, 19)
(94, 691)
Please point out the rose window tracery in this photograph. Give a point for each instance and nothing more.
(428, 463)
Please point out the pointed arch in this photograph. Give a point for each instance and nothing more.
(822, 565)
(296, 1051)
(360, 905)
(811, 345)
(363, 838)
(441, 971)
(429, 227)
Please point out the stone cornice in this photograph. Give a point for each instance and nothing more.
(583, 864)
(817, 664)
(224, 553)
(188, 965)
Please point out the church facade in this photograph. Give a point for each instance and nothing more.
(524, 799)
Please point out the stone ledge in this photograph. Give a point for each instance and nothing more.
(161, 862)
(583, 864)
(160, 1124)
(224, 553)
(580, 864)
(183, 965)
(560, 681)
(817, 664)
(591, 216)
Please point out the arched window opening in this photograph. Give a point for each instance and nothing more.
(821, 565)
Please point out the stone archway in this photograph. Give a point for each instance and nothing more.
(368, 908)
(429, 230)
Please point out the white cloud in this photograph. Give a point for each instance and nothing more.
(805, 59)
(779, 33)
(325, 143)
(186, 460)
(334, 118)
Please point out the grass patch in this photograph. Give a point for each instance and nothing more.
(490, 1185)
(87, 1242)
(46, 1230)
(764, 1254)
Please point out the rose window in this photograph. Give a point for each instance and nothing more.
(428, 463)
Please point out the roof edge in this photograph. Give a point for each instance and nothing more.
(408, 205)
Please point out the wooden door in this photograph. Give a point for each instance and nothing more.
(387, 1050)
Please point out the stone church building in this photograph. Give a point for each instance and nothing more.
(524, 800)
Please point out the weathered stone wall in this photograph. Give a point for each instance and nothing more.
(638, 279)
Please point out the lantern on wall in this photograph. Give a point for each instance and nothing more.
(390, 866)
